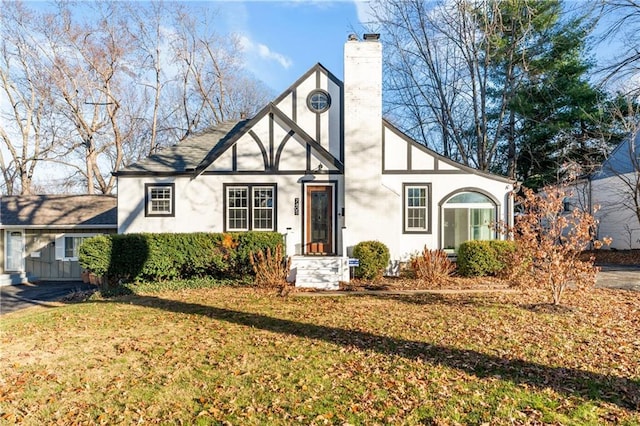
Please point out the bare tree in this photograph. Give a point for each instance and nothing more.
(622, 20)
(94, 91)
(470, 75)
(24, 113)
(90, 78)
(213, 87)
(442, 71)
(148, 33)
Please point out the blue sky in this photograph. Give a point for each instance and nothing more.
(283, 39)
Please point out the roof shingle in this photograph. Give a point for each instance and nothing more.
(186, 155)
(58, 210)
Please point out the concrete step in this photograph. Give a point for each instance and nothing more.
(319, 272)
(14, 278)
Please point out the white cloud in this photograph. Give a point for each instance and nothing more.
(262, 50)
(365, 14)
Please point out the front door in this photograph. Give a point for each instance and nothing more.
(15, 251)
(319, 220)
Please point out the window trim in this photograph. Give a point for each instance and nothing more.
(250, 187)
(61, 245)
(405, 188)
(147, 199)
(442, 205)
(317, 92)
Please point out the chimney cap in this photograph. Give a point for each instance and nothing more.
(372, 37)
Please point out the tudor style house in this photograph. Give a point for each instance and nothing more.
(320, 165)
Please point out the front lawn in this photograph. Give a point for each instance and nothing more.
(210, 356)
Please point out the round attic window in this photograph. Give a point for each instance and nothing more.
(319, 101)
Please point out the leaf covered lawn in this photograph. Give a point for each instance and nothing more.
(236, 356)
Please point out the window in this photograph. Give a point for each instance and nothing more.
(71, 246)
(238, 208)
(467, 216)
(319, 101)
(250, 207)
(67, 246)
(160, 199)
(263, 208)
(417, 208)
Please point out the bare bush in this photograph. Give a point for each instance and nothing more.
(271, 269)
(549, 242)
(432, 267)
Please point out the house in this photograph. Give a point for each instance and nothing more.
(320, 165)
(615, 189)
(41, 234)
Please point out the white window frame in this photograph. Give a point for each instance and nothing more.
(255, 208)
(490, 204)
(61, 245)
(251, 208)
(245, 208)
(406, 229)
(149, 200)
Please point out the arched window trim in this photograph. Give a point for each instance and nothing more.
(495, 204)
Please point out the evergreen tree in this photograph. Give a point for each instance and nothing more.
(563, 116)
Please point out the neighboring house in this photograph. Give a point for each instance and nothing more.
(615, 189)
(320, 165)
(41, 234)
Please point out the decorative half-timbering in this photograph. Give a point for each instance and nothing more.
(320, 165)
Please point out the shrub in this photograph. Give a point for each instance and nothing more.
(94, 254)
(271, 269)
(504, 252)
(250, 242)
(432, 267)
(481, 258)
(374, 259)
(475, 259)
(149, 257)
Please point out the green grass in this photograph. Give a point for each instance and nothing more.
(215, 355)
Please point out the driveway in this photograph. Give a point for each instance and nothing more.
(14, 297)
(625, 277)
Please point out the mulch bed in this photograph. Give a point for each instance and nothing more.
(602, 257)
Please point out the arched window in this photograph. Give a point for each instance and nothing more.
(467, 216)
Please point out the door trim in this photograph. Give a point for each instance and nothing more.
(7, 236)
(334, 213)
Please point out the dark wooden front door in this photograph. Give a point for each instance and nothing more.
(319, 220)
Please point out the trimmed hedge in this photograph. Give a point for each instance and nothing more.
(480, 258)
(144, 257)
(374, 259)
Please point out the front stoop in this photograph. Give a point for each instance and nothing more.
(16, 278)
(319, 272)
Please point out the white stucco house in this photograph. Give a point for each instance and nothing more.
(320, 165)
(615, 189)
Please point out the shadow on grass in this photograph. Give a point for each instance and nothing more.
(584, 384)
(468, 299)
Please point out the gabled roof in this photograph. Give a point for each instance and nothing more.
(184, 157)
(317, 67)
(623, 159)
(51, 211)
(442, 158)
(196, 153)
(271, 108)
